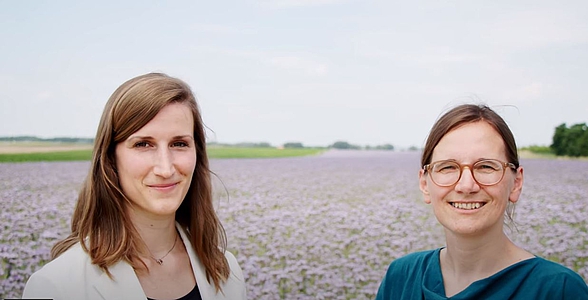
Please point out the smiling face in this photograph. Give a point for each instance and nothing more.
(467, 207)
(155, 164)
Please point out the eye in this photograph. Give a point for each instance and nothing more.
(445, 167)
(487, 166)
(141, 144)
(180, 144)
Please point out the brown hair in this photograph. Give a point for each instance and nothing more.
(470, 113)
(100, 222)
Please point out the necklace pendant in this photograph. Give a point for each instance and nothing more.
(159, 261)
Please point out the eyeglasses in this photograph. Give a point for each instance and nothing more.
(485, 172)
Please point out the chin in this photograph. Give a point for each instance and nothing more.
(165, 210)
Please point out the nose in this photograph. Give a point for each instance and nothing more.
(467, 183)
(164, 164)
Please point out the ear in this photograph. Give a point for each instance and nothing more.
(517, 187)
(424, 187)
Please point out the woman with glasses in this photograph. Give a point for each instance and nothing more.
(471, 176)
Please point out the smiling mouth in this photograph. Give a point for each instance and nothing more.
(468, 205)
(163, 186)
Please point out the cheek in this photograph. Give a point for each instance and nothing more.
(438, 193)
(132, 167)
(504, 190)
(186, 164)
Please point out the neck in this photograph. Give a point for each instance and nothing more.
(158, 234)
(473, 256)
(470, 258)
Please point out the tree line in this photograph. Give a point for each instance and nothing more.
(570, 141)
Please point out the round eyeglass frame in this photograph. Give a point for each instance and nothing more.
(505, 165)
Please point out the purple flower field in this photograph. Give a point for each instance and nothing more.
(321, 227)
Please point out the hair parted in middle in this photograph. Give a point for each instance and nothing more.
(100, 221)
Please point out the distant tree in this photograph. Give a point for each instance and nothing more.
(344, 145)
(578, 140)
(385, 147)
(253, 145)
(559, 143)
(293, 145)
(572, 141)
(413, 148)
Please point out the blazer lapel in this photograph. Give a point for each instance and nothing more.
(207, 291)
(124, 285)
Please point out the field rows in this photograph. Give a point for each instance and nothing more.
(318, 227)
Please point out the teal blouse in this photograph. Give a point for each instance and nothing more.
(418, 276)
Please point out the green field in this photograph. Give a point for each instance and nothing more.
(213, 152)
(236, 152)
(47, 156)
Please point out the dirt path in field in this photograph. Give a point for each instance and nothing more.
(34, 148)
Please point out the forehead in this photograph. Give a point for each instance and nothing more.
(470, 142)
(172, 117)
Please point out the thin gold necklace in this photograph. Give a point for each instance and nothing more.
(160, 260)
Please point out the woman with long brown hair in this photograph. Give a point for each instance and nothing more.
(144, 225)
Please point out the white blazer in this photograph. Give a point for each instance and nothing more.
(73, 276)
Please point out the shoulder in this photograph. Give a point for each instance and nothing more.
(72, 257)
(538, 278)
(553, 274)
(415, 259)
(232, 260)
(236, 271)
(51, 278)
(405, 275)
(412, 265)
(234, 286)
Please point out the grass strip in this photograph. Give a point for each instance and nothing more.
(237, 152)
(72, 155)
(213, 152)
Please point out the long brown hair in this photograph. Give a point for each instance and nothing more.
(100, 223)
(470, 113)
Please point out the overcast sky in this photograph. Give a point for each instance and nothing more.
(310, 71)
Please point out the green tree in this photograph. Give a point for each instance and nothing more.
(344, 145)
(577, 140)
(559, 144)
(572, 141)
(293, 145)
(385, 147)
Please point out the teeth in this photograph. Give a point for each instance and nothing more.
(467, 206)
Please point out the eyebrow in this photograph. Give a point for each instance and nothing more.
(475, 161)
(177, 137)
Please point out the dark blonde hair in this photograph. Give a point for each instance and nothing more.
(470, 113)
(100, 214)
